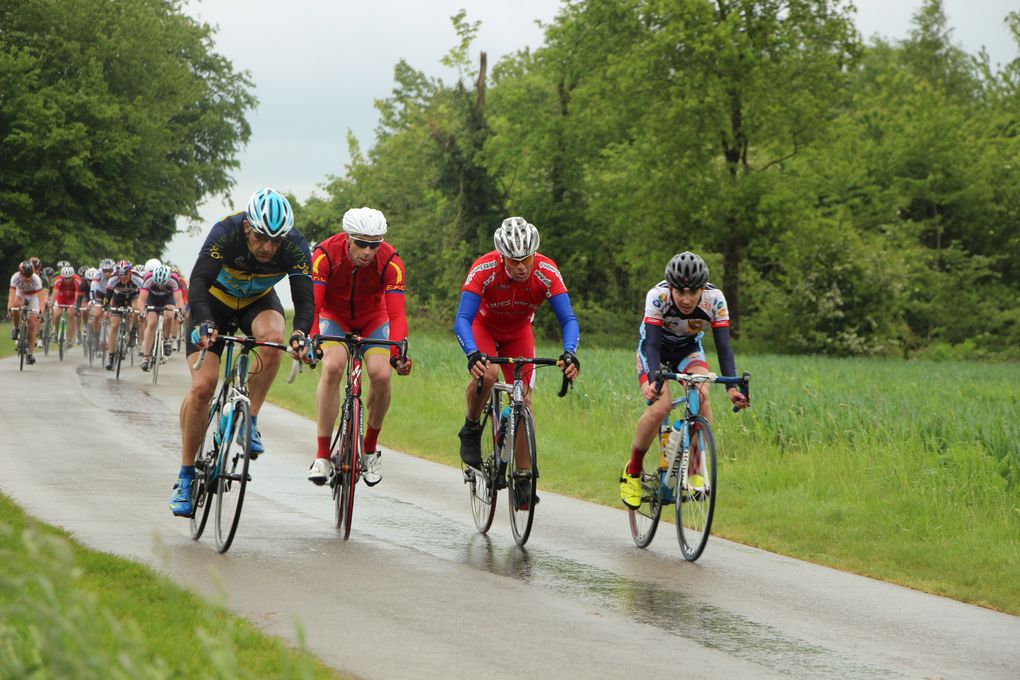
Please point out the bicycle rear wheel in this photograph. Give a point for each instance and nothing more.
(695, 498)
(645, 519)
(205, 464)
(522, 486)
(233, 475)
(350, 466)
(482, 485)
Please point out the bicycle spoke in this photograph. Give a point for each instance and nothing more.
(523, 482)
(696, 492)
(233, 475)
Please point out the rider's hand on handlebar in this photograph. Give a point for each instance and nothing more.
(571, 366)
(651, 389)
(204, 335)
(403, 367)
(737, 398)
(298, 344)
(477, 363)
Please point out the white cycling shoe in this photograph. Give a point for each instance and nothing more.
(372, 473)
(320, 471)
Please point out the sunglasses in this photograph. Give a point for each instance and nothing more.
(262, 238)
(362, 243)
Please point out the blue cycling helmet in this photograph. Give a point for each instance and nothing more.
(269, 213)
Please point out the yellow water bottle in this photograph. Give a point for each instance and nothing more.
(664, 430)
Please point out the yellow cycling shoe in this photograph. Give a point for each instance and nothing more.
(630, 490)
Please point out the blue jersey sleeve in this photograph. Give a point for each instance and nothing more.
(568, 322)
(466, 310)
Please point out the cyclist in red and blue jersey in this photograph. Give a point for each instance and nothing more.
(243, 258)
(160, 290)
(359, 288)
(503, 290)
(677, 312)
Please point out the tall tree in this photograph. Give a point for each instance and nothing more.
(115, 119)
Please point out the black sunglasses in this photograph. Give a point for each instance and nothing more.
(362, 243)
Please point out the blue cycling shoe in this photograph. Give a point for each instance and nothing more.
(182, 502)
(256, 439)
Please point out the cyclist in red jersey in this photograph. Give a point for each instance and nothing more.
(498, 301)
(65, 289)
(359, 287)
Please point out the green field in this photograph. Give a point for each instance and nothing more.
(904, 471)
(70, 612)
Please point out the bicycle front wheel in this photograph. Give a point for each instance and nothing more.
(350, 466)
(47, 329)
(233, 475)
(696, 491)
(205, 469)
(156, 359)
(121, 348)
(645, 519)
(60, 338)
(482, 485)
(523, 482)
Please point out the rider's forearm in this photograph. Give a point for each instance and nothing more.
(396, 311)
(304, 302)
(466, 311)
(568, 322)
(649, 350)
(724, 350)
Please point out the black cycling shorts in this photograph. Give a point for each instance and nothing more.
(228, 320)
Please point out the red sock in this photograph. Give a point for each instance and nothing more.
(371, 434)
(323, 451)
(637, 457)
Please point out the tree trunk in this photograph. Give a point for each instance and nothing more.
(731, 279)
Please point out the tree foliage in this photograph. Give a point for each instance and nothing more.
(850, 198)
(116, 117)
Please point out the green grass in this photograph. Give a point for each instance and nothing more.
(7, 347)
(904, 471)
(70, 612)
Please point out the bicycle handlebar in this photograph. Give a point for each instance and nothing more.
(352, 339)
(537, 361)
(742, 382)
(250, 343)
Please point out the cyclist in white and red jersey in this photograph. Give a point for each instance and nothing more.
(97, 296)
(26, 291)
(677, 312)
(65, 290)
(498, 301)
(159, 289)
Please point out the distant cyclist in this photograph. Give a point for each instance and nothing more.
(498, 301)
(359, 287)
(65, 289)
(121, 293)
(677, 312)
(243, 258)
(26, 291)
(159, 290)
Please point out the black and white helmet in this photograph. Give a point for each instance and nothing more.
(687, 270)
(516, 238)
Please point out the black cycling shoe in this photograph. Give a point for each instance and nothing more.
(30, 359)
(522, 493)
(471, 444)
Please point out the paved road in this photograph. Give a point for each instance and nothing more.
(417, 593)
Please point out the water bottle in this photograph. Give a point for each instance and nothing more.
(224, 417)
(672, 449)
(501, 433)
(664, 429)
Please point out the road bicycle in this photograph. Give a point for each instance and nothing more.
(509, 454)
(221, 464)
(157, 356)
(21, 346)
(345, 450)
(62, 330)
(125, 333)
(684, 472)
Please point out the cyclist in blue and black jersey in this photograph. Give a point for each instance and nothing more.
(677, 311)
(231, 287)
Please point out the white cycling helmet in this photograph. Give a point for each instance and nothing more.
(67, 272)
(269, 213)
(516, 238)
(365, 222)
(150, 265)
(90, 273)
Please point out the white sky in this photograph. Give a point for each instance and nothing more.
(319, 65)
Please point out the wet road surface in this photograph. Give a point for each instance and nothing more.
(418, 593)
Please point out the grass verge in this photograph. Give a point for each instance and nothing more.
(70, 612)
(904, 471)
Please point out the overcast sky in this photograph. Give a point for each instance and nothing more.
(319, 65)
